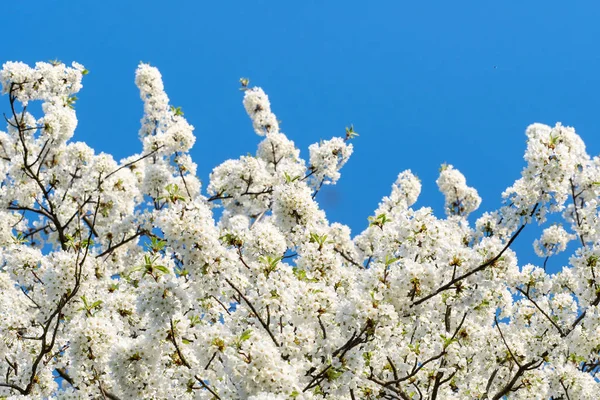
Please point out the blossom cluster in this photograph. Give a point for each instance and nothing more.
(124, 280)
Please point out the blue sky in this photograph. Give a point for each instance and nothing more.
(423, 82)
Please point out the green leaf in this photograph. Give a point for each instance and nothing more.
(300, 273)
(319, 239)
(270, 263)
(246, 335)
(367, 357)
(174, 193)
(177, 111)
(156, 244)
(70, 101)
(290, 179)
(379, 220)
(138, 268)
(194, 320)
(333, 374)
(390, 260)
(162, 269)
(232, 240)
(350, 133)
(96, 304)
(19, 239)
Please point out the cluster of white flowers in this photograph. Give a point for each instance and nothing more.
(118, 281)
(405, 192)
(460, 198)
(328, 157)
(55, 85)
(46, 81)
(554, 240)
(258, 108)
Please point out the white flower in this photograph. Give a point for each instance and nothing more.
(124, 280)
(554, 240)
(460, 199)
(327, 158)
(258, 108)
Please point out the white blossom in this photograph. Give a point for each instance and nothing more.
(460, 199)
(126, 281)
(554, 240)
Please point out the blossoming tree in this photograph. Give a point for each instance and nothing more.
(117, 282)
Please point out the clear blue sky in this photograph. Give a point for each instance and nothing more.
(422, 82)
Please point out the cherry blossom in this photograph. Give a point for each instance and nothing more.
(124, 279)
